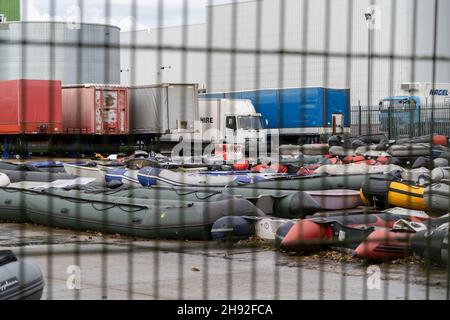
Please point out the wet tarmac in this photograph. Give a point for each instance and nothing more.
(116, 267)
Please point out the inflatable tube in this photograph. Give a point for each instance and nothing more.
(19, 279)
(355, 168)
(435, 140)
(314, 149)
(154, 176)
(290, 150)
(315, 182)
(277, 203)
(440, 163)
(385, 245)
(410, 150)
(414, 175)
(135, 217)
(4, 180)
(281, 233)
(406, 196)
(232, 229)
(19, 176)
(340, 151)
(336, 199)
(432, 245)
(128, 177)
(86, 170)
(380, 219)
(438, 174)
(437, 198)
(306, 236)
(374, 192)
(420, 162)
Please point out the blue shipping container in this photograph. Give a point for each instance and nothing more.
(296, 110)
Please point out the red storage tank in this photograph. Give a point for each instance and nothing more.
(95, 109)
(30, 107)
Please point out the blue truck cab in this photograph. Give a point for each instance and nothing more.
(418, 106)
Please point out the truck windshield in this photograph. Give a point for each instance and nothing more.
(398, 105)
(249, 122)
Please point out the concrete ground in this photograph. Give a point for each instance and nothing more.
(116, 267)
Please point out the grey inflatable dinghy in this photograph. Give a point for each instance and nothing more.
(19, 279)
(437, 197)
(35, 176)
(315, 182)
(279, 203)
(169, 219)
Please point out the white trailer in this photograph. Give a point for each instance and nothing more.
(163, 109)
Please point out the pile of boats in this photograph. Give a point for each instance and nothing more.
(382, 201)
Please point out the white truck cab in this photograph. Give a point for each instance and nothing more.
(231, 121)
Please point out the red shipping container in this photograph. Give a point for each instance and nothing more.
(95, 109)
(30, 107)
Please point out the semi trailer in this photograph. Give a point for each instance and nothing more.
(298, 113)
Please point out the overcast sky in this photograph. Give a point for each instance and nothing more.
(121, 11)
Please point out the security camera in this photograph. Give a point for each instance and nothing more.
(369, 13)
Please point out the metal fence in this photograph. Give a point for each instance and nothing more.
(143, 243)
(401, 123)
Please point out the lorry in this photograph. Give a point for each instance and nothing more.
(415, 109)
(231, 121)
(295, 114)
(163, 114)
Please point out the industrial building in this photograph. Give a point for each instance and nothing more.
(83, 53)
(235, 32)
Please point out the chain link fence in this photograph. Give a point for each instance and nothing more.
(144, 229)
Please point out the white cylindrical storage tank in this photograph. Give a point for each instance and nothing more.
(83, 53)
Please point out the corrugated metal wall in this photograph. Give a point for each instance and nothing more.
(49, 51)
(258, 23)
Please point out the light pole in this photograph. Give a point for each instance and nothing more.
(370, 19)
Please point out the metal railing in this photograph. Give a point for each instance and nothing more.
(401, 123)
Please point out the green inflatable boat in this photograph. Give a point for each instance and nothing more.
(146, 218)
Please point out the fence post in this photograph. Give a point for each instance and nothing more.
(359, 118)
(389, 123)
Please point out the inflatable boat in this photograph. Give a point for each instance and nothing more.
(432, 244)
(336, 199)
(87, 170)
(385, 245)
(154, 176)
(169, 219)
(340, 231)
(315, 182)
(354, 168)
(437, 198)
(35, 176)
(128, 177)
(410, 150)
(406, 196)
(19, 279)
(279, 203)
(383, 193)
